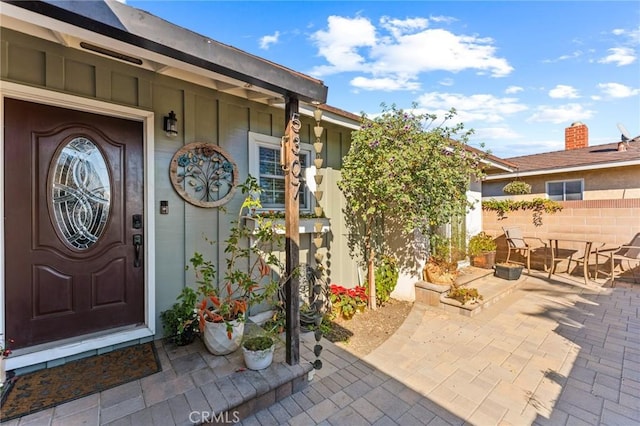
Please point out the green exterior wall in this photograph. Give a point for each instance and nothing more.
(205, 115)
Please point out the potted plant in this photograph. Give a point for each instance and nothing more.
(482, 250)
(5, 351)
(508, 271)
(439, 270)
(517, 187)
(464, 294)
(247, 281)
(180, 322)
(258, 352)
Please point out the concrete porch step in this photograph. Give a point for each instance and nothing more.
(245, 392)
(226, 391)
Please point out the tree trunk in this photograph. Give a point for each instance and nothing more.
(371, 277)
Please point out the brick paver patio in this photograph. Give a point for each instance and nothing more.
(552, 352)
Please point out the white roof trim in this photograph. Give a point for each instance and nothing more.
(565, 170)
(329, 117)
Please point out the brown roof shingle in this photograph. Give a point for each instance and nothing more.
(591, 155)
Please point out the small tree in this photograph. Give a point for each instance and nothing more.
(402, 168)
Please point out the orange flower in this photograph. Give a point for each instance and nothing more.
(264, 268)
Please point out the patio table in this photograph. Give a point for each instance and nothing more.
(588, 246)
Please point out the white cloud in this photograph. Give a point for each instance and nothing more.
(389, 51)
(398, 27)
(439, 50)
(560, 114)
(633, 35)
(562, 91)
(620, 56)
(341, 42)
(386, 84)
(572, 55)
(268, 40)
(443, 19)
(483, 108)
(513, 89)
(446, 82)
(617, 90)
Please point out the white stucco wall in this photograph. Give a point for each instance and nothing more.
(405, 289)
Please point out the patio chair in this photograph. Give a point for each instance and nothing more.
(627, 254)
(516, 242)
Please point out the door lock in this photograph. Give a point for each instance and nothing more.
(136, 221)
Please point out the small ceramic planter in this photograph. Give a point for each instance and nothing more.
(258, 360)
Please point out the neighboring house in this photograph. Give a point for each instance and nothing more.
(96, 86)
(579, 172)
(597, 186)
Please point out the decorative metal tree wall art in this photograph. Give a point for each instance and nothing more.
(203, 174)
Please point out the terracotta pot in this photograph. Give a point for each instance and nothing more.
(484, 260)
(435, 275)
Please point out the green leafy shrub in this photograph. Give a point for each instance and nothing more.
(481, 243)
(537, 206)
(517, 187)
(386, 279)
(180, 322)
(258, 343)
(464, 294)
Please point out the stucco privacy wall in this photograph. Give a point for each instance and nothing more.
(613, 222)
(205, 115)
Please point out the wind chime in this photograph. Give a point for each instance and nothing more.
(317, 293)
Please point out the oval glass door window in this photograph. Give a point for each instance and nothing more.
(80, 192)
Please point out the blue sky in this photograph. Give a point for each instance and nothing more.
(517, 72)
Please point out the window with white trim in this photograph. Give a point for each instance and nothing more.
(264, 165)
(565, 190)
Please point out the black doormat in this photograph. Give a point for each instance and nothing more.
(42, 389)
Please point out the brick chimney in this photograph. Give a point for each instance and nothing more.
(576, 136)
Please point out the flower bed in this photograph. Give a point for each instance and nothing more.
(347, 301)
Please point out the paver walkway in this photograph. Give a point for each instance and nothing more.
(554, 352)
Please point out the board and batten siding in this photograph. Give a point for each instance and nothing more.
(204, 115)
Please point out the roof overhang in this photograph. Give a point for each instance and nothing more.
(582, 168)
(496, 165)
(161, 47)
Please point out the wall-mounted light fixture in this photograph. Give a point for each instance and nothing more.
(171, 124)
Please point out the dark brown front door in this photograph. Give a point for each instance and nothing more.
(73, 182)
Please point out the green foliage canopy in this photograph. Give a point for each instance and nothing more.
(404, 167)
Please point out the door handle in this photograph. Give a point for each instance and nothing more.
(137, 245)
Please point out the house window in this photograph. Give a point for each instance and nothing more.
(565, 190)
(264, 164)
